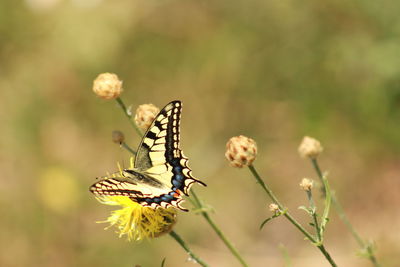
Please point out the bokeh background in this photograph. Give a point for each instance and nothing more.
(271, 70)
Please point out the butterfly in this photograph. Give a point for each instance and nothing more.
(161, 174)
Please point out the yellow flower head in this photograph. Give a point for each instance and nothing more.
(135, 221)
(138, 222)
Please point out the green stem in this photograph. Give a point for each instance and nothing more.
(217, 230)
(372, 257)
(327, 206)
(129, 115)
(344, 218)
(346, 221)
(317, 169)
(276, 201)
(178, 239)
(327, 255)
(124, 145)
(314, 214)
(286, 257)
(290, 218)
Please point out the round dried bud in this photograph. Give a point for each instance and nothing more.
(273, 207)
(310, 147)
(306, 184)
(145, 115)
(107, 86)
(241, 151)
(118, 137)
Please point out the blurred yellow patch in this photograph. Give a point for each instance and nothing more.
(58, 189)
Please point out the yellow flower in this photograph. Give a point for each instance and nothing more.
(137, 222)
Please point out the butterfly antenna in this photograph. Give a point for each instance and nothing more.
(119, 168)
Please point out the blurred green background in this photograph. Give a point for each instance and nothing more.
(272, 70)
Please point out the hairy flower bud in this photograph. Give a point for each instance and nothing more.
(145, 114)
(273, 207)
(107, 86)
(118, 137)
(310, 147)
(306, 184)
(241, 151)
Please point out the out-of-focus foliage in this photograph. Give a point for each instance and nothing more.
(272, 70)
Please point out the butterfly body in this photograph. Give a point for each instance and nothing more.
(161, 173)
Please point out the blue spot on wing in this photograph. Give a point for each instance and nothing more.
(167, 198)
(176, 183)
(177, 168)
(179, 177)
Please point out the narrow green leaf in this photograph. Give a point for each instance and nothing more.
(265, 221)
(306, 209)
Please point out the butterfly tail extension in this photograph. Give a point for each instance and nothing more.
(189, 179)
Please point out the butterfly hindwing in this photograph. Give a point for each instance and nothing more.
(141, 188)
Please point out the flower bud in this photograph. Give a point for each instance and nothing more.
(273, 207)
(310, 147)
(107, 86)
(241, 151)
(145, 114)
(118, 137)
(306, 184)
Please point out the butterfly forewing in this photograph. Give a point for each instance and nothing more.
(157, 145)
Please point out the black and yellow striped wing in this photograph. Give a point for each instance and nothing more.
(161, 172)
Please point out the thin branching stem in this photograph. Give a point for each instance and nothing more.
(314, 214)
(327, 206)
(229, 245)
(319, 245)
(285, 254)
(178, 239)
(281, 207)
(124, 145)
(129, 115)
(342, 215)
